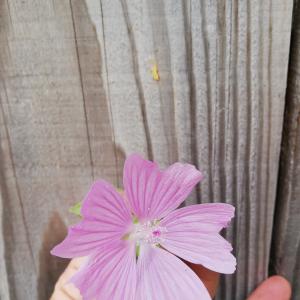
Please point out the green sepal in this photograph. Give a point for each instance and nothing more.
(137, 251)
(75, 209)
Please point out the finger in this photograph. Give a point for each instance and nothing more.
(65, 290)
(208, 277)
(273, 288)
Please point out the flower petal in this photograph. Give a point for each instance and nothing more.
(153, 193)
(192, 233)
(162, 275)
(105, 219)
(110, 274)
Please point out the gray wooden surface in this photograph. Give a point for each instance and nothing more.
(77, 96)
(286, 241)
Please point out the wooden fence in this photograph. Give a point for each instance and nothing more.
(79, 92)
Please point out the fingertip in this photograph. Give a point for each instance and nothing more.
(77, 262)
(275, 287)
(281, 285)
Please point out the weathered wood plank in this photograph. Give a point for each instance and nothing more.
(286, 241)
(256, 98)
(51, 95)
(4, 284)
(236, 93)
(77, 96)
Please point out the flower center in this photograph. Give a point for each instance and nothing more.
(146, 233)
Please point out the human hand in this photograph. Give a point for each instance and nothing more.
(274, 288)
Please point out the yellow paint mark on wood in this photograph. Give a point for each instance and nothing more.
(154, 71)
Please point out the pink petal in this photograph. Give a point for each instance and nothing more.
(105, 219)
(110, 274)
(153, 193)
(163, 276)
(192, 233)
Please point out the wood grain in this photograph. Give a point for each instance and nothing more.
(77, 96)
(53, 144)
(286, 239)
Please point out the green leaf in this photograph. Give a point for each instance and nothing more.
(75, 209)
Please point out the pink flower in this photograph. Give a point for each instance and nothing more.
(132, 243)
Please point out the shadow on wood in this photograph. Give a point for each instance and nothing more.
(51, 267)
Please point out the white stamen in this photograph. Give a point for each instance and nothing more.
(147, 233)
